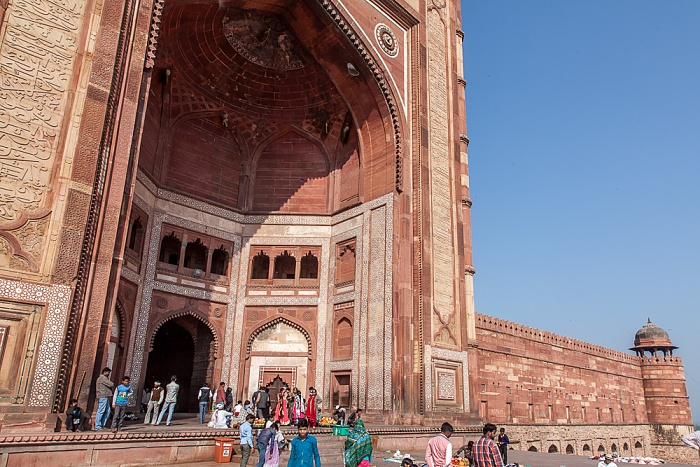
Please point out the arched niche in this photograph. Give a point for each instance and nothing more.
(291, 174)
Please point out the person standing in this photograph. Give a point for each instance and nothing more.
(221, 394)
(246, 434)
(103, 388)
(171, 392)
(304, 448)
(263, 404)
(145, 397)
(204, 398)
(312, 407)
(157, 396)
(265, 437)
(503, 442)
(485, 451)
(119, 403)
(355, 416)
(439, 450)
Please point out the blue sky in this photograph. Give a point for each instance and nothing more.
(584, 120)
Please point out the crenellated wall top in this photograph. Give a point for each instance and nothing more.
(521, 331)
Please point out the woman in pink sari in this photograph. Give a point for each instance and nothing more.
(281, 412)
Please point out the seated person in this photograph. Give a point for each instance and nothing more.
(218, 418)
(466, 452)
(339, 415)
(75, 417)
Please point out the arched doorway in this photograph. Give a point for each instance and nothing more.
(183, 346)
(279, 357)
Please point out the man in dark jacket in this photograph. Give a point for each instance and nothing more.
(265, 437)
(75, 417)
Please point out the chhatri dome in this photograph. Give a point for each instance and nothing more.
(653, 339)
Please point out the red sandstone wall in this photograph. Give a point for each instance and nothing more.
(291, 176)
(529, 376)
(664, 386)
(215, 177)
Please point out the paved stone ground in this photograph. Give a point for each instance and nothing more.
(525, 458)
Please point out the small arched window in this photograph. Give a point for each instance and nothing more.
(569, 449)
(219, 261)
(136, 237)
(601, 448)
(613, 448)
(285, 266)
(532, 449)
(586, 448)
(638, 445)
(170, 249)
(196, 255)
(309, 266)
(260, 268)
(625, 447)
(552, 449)
(343, 338)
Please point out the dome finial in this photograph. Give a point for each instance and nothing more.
(648, 320)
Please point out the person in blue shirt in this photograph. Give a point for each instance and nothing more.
(304, 448)
(119, 403)
(246, 434)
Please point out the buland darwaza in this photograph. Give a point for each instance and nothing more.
(266, 192)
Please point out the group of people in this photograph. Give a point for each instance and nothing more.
(160, 401)
(491, 450)
(269, 441)
(290, 407)
(304, 447)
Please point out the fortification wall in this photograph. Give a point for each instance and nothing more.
(529, 376)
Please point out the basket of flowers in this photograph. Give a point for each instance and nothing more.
(259, 423)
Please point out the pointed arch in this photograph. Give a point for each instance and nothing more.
(272, 323)
(121, 313)
(182, 313)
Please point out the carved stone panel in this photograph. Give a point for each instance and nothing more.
(19, 331)
(37, 52)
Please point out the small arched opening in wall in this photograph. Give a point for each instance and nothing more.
(586, 449)
(638, 445)
(570, 449)
(532, 449)
(183, 344)
(613, 448)
(625, 447)
(552, 449)
(601, 449)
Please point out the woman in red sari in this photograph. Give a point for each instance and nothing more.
(312, 408)
(281, 412)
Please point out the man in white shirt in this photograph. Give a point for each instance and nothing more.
(607, 462)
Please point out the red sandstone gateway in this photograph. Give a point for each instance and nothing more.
(272, 194)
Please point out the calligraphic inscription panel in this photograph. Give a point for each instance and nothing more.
(37, 53)
(441, 200)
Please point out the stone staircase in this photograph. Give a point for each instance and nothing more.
(330, 449)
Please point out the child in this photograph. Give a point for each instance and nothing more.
(304, 448)
(119, 403)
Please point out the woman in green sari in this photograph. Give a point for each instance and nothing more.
(358, 446)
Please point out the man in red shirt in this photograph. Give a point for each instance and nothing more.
(221, 394)
(485, 451)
